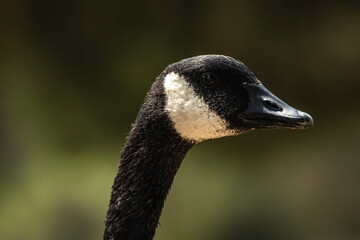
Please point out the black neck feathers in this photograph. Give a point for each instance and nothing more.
(149, 162)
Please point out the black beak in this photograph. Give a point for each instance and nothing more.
(268, 111)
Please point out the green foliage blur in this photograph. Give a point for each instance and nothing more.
(73, 75)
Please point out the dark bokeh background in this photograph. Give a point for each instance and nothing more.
(73, 75)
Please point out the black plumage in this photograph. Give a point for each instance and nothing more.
(155, 149)
(149, 161)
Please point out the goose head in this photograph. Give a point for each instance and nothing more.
(193, 100)
(213, 96)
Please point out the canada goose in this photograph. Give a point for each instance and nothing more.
(195, 99)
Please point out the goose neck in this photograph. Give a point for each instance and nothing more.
(149, 162)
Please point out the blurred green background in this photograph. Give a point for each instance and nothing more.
(73, 75)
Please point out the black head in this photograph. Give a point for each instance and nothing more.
(212, 96)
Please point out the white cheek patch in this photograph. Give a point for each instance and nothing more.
(191, 116)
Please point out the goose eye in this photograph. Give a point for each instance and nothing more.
(208, 79)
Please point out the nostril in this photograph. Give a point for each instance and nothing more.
(272, 105)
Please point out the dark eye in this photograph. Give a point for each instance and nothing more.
(208, 79)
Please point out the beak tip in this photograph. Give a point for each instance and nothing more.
(308, 120)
